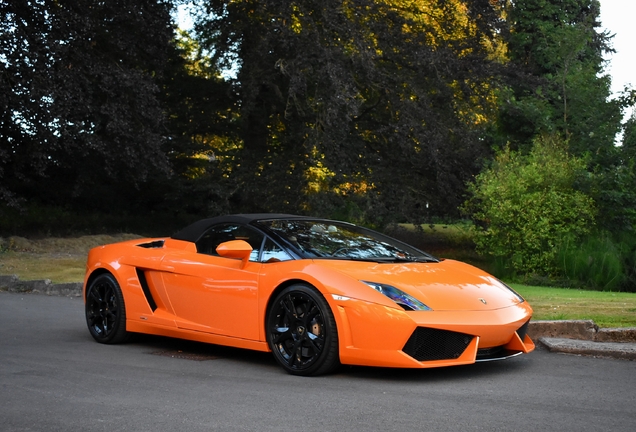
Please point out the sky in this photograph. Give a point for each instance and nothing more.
(617, 16)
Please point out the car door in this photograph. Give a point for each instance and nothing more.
(213, 294)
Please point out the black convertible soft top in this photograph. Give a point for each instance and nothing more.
(193, 232)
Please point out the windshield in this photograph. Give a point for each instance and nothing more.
(330, 239)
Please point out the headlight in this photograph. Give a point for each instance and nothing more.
(406, 301)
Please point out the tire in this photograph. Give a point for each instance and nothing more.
(301, 331)
(105, 310)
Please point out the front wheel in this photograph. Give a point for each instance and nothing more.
(301, 331)
(105, 310)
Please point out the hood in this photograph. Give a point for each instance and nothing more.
(446, 285)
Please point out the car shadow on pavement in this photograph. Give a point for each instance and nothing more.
(483, 369)
(197, 351)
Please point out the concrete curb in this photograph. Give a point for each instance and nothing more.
(616, 350)
(12, 283)
(583, 337)
(585, 330)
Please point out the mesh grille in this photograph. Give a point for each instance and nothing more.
(434, 344)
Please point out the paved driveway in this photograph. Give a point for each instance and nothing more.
(54, 377)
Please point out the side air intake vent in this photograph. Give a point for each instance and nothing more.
(146, 289)
(434, 344)
(157, 244)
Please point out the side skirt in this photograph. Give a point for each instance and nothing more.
(146, 328)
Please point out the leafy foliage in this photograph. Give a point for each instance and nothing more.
(524, 205)
(615, 185)
(202, 125)
(559, 43)
(374, 111)
(373, 102)
(81, 115)
(597, 262)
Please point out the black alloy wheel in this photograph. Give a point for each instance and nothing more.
(301, 331)
(105, 310)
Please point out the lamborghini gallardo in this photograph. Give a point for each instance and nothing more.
(316, 293)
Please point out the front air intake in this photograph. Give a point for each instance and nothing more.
(427, 344)
(523, 330)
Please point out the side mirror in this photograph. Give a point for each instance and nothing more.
(239, 249)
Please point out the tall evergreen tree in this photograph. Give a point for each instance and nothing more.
(616, 192)
(560, 43)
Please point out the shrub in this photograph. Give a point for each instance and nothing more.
(523, 205)
(597, 263)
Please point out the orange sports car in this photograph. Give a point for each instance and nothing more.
(317, 293)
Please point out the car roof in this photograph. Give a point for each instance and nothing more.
(193, 232)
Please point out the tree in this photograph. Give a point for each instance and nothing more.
(376, 101)
(25, 58)
(525, 205)
(81, 112)
(559, 43)
(616, 186)
(201, 119)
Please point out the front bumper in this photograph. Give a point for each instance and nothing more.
(377, 335)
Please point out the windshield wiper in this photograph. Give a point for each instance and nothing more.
(407, 259)
(384, 259)
(346, 258)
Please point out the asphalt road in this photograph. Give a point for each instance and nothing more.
(54, 377)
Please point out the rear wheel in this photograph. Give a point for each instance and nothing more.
(301, 331)
(105, 310)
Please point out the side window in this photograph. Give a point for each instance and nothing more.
(218, 234)
(273, 253)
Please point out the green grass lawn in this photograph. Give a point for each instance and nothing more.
(59, 259)
(607, 309)
(31, 266)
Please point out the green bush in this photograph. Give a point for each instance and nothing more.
(523, 205)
